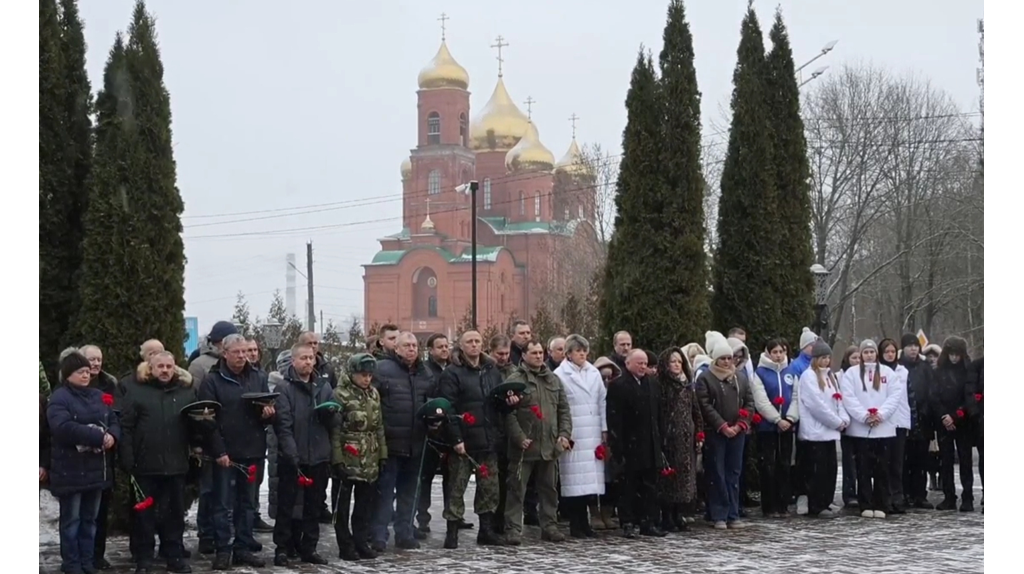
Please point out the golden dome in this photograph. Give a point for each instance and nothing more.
(499, 125)
(572, 161)
(529, 153)
(443, 72)
(427, 225)
(406, 169)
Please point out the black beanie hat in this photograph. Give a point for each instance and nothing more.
(71, 363)
(909, 340)
(220, 331)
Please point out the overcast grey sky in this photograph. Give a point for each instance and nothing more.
(284, 105)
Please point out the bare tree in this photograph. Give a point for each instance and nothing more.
(604, 168)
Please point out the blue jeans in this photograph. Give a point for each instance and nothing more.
(78, 514)
(233, 506)
(723, 471)
(396, 487)
(204, 515)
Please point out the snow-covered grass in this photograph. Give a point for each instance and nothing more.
(49, 514)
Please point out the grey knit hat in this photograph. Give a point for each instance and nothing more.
(868, 344)
(821, 349)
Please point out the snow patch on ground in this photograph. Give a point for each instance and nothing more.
(49, 518)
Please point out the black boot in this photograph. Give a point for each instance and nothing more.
(486, 536)
(143, 567)
(583, 512)
(666, 520)
(575, 528)
(178, 566)
(348, 553)
(222, 561)
(451, 536)
(947, 504)
(650, 529)
(678, 519)
(628, 530)
(364, 551)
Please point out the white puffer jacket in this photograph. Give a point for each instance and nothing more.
(581, 473)
(902, 416)
(859, 396)
(822, 411)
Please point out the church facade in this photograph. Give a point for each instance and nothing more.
(528, 207)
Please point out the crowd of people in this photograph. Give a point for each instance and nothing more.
(634, 442)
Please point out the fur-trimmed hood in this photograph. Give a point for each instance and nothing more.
(663, 359)
(142, 374)
(456, 358)
(603, 362)
(954, 345)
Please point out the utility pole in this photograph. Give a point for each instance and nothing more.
(310, 314)
(473, 186)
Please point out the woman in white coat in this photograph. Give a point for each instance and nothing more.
(871, 395)
(582, 468)
(823, 418)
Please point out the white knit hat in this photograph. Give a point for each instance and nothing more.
(807, 337)
(720, 349)
(713, 338)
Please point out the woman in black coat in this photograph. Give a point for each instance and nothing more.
(84, 428)
(947, 402)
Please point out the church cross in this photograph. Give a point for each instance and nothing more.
(444, 18)
(500, 43)
(572, 119)
(529, 106)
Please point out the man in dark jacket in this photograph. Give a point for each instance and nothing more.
(154, 450)
(304, 453)
(438, 355)
(622, 344)
(468, 384)
(324, 368)
(405, 384)
(975, 401)
(521, 335)
(919, 382)
(239, 441)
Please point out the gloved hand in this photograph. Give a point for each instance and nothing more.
(328, 416)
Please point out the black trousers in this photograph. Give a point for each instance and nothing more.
(819, 468)
(101, 524)
(873, 473)
(775, 451)
(979, 442)
(166, 518)
(638, 501)
(261, 471)
(431, 464)
(365, 494)
(956, 444)
(312, 502)
(897, 452)
(915, 469)
(849, 446)
(499, 514)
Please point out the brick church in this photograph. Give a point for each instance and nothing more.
(528, 206)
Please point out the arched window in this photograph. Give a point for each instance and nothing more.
(463, 130)
(434, 182)
(487, 193)
(434, 128)
(536, 206)
(522, 203)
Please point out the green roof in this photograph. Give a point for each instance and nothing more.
(403, 234)
(483, 254)
(502, 226)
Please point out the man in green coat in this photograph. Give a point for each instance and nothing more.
(358, 449)
(538, 433)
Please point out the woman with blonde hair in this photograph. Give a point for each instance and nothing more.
(871, 394)
(823, 418)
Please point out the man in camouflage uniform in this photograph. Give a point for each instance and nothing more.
(538, 433)
(358, 448)
(468, 384)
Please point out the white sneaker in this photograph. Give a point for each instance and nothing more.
(867, 514)
(720, 525)
(879, 514)
(801, 505)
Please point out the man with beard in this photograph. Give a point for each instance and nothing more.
(468, 384)
(438, 354)
(920, 378)
(635, 443)
(238, 442)
(154, 451)
(405, 384)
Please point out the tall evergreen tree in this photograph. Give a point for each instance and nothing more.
(792, 182)
(684, 181)
(746, 260)
(641, 292)
(65, 157)
(133, 273)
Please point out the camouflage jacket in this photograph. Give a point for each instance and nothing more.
(542, 415)
(358, 444)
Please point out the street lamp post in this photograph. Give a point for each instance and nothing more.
(272, 338)
(799, 71)
(821, 276)
(472, 187)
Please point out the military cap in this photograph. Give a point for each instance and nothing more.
(435, 409)
(505, 390)
(261, 399)
(361, 363)
(201, 411)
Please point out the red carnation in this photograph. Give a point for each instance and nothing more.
(250, 478)
(108, 399)
(469, 419)
(535, 409)
(305, 481)
(977, 397)
(960, 413)
(837, 396)
(756, 419)
(251, 469)
(873, 411)
(484, 471)
(352, 450)
(144, 504)
(668, 471)
(744, 413)
(778, 401)
(601, 452)
(700, 436)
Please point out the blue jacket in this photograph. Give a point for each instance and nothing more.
(70, 413)
(777, 383)
(800, 364)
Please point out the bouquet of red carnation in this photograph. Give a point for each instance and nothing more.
(960, 413)
(756, 419)
(144, 502)
(778, 401)
(837, 396)
(601, 452)
(469, 419)
(535, 409)
(108, 399)
(304, 481)
(668, 471)
(700, 436)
